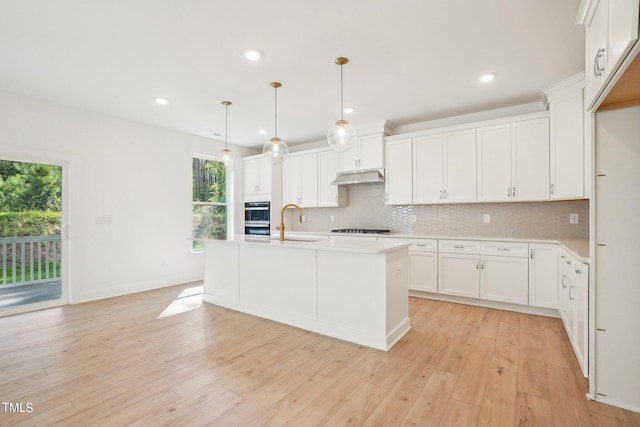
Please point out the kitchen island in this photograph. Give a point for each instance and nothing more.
(356, 291)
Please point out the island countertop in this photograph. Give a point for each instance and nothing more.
(308, 242)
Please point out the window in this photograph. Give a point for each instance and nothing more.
(209, 199)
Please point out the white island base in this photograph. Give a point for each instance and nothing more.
(354, 291)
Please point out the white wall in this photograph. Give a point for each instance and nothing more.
(138, 175)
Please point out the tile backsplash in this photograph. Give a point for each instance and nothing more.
(366, 209)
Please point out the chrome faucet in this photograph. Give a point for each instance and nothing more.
(281, 226)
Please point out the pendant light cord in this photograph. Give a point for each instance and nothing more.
(226, 125)
(275, 127)
(341, 95)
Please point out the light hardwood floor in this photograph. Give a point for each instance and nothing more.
(118, 362)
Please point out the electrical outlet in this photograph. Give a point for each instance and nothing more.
(574, 219)
(332, 218)
(486, 218)
(414, 218)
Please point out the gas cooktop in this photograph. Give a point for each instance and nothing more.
(361, 231)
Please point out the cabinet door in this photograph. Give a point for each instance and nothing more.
(423, 271)
(459, 275)
(530, 160)
(251, 176)
(581, 334)
(265, 176)
(348, 160)
(494, 163)
(399, 177)
(567, 147)
(543, 275)
(329, 195)
(623, 30)
(460, 166)
(504, 279)
(291, 180)
(596, 68)
(371, 151)
(427, 169)
(309, 181)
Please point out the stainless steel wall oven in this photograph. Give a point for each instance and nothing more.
(257, 218)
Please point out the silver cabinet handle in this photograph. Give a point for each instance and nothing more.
(571, 297)
(477, 267)
(386, 197)
(482, 265)
(531, 253)
(597, 69)
(440, 194)
(508, 191)
(569, 263)
(562, 256)
(336, 199)
(421, 245)
(445, 194)
(552, 188)
(564, 285)
(578, 271)
(513, 192)
(458, 247)
(503, 249)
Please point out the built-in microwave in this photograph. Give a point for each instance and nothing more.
(257, 218)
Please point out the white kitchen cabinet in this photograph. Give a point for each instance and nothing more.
(567, 142)
(329, 195)
(423, 266)
(504, 270)
(398, 173)
(428, 170)
(300, 180)
(367, 153)
(459, 268)
(459, 150)
(444, 168)
(612, 29)
(513, 161)
(581, 324)
(504, 279)
(257, 176)
(543, 275)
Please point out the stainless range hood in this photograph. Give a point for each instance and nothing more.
(368, 176)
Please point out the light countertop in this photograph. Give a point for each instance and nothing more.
(578, 247)
(308, 242)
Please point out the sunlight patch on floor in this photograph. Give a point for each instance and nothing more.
(189, 299)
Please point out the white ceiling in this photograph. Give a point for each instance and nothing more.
(411, 60)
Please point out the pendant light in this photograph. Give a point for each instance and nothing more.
(341, 136)
(227, 155)
(275, 147)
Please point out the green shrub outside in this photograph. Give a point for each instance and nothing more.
(30, 223)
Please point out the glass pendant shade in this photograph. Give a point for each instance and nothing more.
(227, 158)
(275, 148)
(341, 136)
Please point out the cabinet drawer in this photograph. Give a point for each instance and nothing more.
(511, 249)
(423, 245)
(459, 246)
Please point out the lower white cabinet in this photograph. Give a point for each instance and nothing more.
(504, 279)
(459, 268)
(543, 275)
(574, 305)
(423, 266)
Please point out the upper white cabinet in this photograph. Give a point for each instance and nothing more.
(257, 176)
(612, 28)
(427, 169)
(398, 179)
(300, 180)
(513, 161)
(329, 195)
(367, 153)
(444, 167)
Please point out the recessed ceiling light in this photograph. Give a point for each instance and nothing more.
(487, 78)
(252, 54)
(162, 101)
(349, 110)
(262, 131)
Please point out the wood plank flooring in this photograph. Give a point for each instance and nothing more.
(160, 358)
